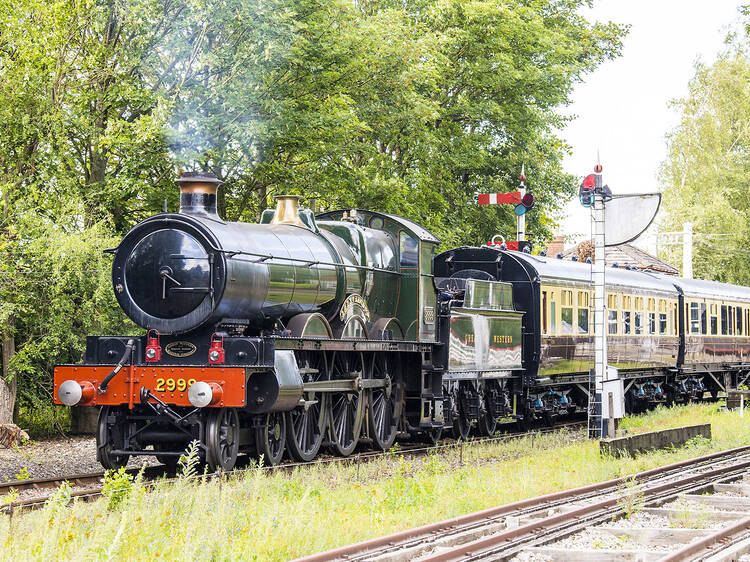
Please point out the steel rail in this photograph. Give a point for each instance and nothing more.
(506, 544)
(413, 537)
(155, 471)
(708, 545)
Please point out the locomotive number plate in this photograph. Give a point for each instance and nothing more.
(170, 385)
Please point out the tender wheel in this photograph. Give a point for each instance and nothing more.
(346, 409)
(270, 437)
(487, 425)
(461, 423)
(306, 425)
(386, 402)
(222, 438)
(461, 427)
(110, 436)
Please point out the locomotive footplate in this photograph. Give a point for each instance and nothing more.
(318, 344)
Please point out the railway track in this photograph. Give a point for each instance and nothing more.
(503, 532)
(88, 487)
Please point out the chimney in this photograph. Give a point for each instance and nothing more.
(198, 194)
(287, 210)
(556, 246)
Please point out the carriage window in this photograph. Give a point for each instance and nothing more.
(566, 320)
(408, 250)
(714, 325)
(651, 323)
(567, 298)
(552, 316)
(638, 322)
(724, 320)
(544, 312)
(704, 326)
(662, 323)
(612, 322)
(626, 322)
(583, 320)
(583, 299)
(694, 319)
(611, 302)
(738, 319)
(730, 313)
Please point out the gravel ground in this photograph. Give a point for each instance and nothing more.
(55, 457)
(641, 520)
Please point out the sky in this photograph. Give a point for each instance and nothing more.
(622, 108)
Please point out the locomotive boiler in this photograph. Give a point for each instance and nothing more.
(190, 271)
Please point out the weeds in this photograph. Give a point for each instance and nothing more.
(631, 500)
(10, 497)
(116, 487)
(698, 442)
(189, 462)
(22, 474)
(689, 515)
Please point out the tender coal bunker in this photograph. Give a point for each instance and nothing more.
(161, 269)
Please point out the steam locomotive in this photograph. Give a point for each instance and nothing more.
(345, 329)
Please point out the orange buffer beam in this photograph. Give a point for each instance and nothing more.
(169, 384)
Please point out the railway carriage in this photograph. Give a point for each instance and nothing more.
(715, 323)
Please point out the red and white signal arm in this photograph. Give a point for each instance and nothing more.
(499, 198)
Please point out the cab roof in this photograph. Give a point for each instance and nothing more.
(420, 232)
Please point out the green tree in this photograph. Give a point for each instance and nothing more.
(707, 173)
(411, 109)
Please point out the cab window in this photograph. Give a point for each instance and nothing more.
(408, 250)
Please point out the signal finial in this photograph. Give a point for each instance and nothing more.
(598, 166)
(523, 173)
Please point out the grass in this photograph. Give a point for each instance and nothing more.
(261, 515)
(43, 421)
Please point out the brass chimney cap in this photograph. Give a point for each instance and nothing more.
(198, 182)
(287, 210)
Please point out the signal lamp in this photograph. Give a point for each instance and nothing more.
(526, 204)
(586, 191)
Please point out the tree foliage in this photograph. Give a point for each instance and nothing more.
(707, 171)
(405, 107)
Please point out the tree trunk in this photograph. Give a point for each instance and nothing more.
(8, 383)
